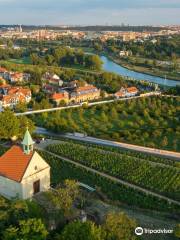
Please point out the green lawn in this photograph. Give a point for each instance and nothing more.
(25, 60)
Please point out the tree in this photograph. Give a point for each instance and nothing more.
(64, 196)
(118, 226)
(114, 113)
(32, 229)
(81, 231)
(49, 59)
(11, 233)
(4, 214)
(12, 127)
(9, 125)
(177, 231)
(18, 210)
(9, 44)
(21, 107)
(164, 142)
(45, 104)
(34, 59)
(93, 62)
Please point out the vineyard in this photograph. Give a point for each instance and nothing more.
(141, 155)
(61, 170)
(158, 178)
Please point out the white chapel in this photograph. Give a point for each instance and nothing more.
(23, 172)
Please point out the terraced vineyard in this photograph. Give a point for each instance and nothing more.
(61, 170)
(143, 156)
(155, 177)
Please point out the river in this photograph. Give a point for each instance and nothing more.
(111, 66)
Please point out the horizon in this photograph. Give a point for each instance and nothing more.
(90, 12)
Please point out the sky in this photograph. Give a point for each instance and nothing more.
(90, 12)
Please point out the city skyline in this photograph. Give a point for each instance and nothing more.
(89, 12)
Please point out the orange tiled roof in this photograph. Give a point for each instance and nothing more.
(14, 90)
(132, 89)
(58, 96)
(5, 86)
(85, 88)
(14, 163)
(16, 75)
(119, 94)
(3, 69)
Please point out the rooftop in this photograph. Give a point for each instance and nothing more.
(14, 163)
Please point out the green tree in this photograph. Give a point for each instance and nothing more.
(21, 107)
(32, 229)
(64, 196)
(164, 142)
(34, 59)
(177, 231)
(118, 226)
(81, 231)
(94, 62)
(9, 44)
(9, 125)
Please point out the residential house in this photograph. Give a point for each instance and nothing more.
(53, 79)
(59, 97)
(124, 53)
(3, 72)
(49, 89)
(126, 92)
(86, 93)
(23, 172)
(11, 96)
(15, 77)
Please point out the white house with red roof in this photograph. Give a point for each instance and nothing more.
(23, 172)
(52, 79)
(126, 92)
(11, 96)
(59, 97)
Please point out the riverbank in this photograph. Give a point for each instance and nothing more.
(140, 69)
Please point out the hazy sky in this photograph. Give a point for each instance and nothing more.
(90, 12)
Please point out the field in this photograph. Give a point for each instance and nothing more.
(61, 170)
(152, 122)
(25, 60)
(157, 177)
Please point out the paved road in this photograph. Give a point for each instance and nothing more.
(117, 180)
(90, 104)
(158, 152)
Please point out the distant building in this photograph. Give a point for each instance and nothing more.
(126, 92)
(49, 89)
(59, 97)
(86, 93)
(53, 79)
(124, 53)
(23, 172)
(11, 96)
(15, 77)
(128, 36)
(3, 72)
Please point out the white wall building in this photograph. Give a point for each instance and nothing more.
(23, 172)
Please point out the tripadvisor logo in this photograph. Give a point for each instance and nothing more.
(140, 231)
